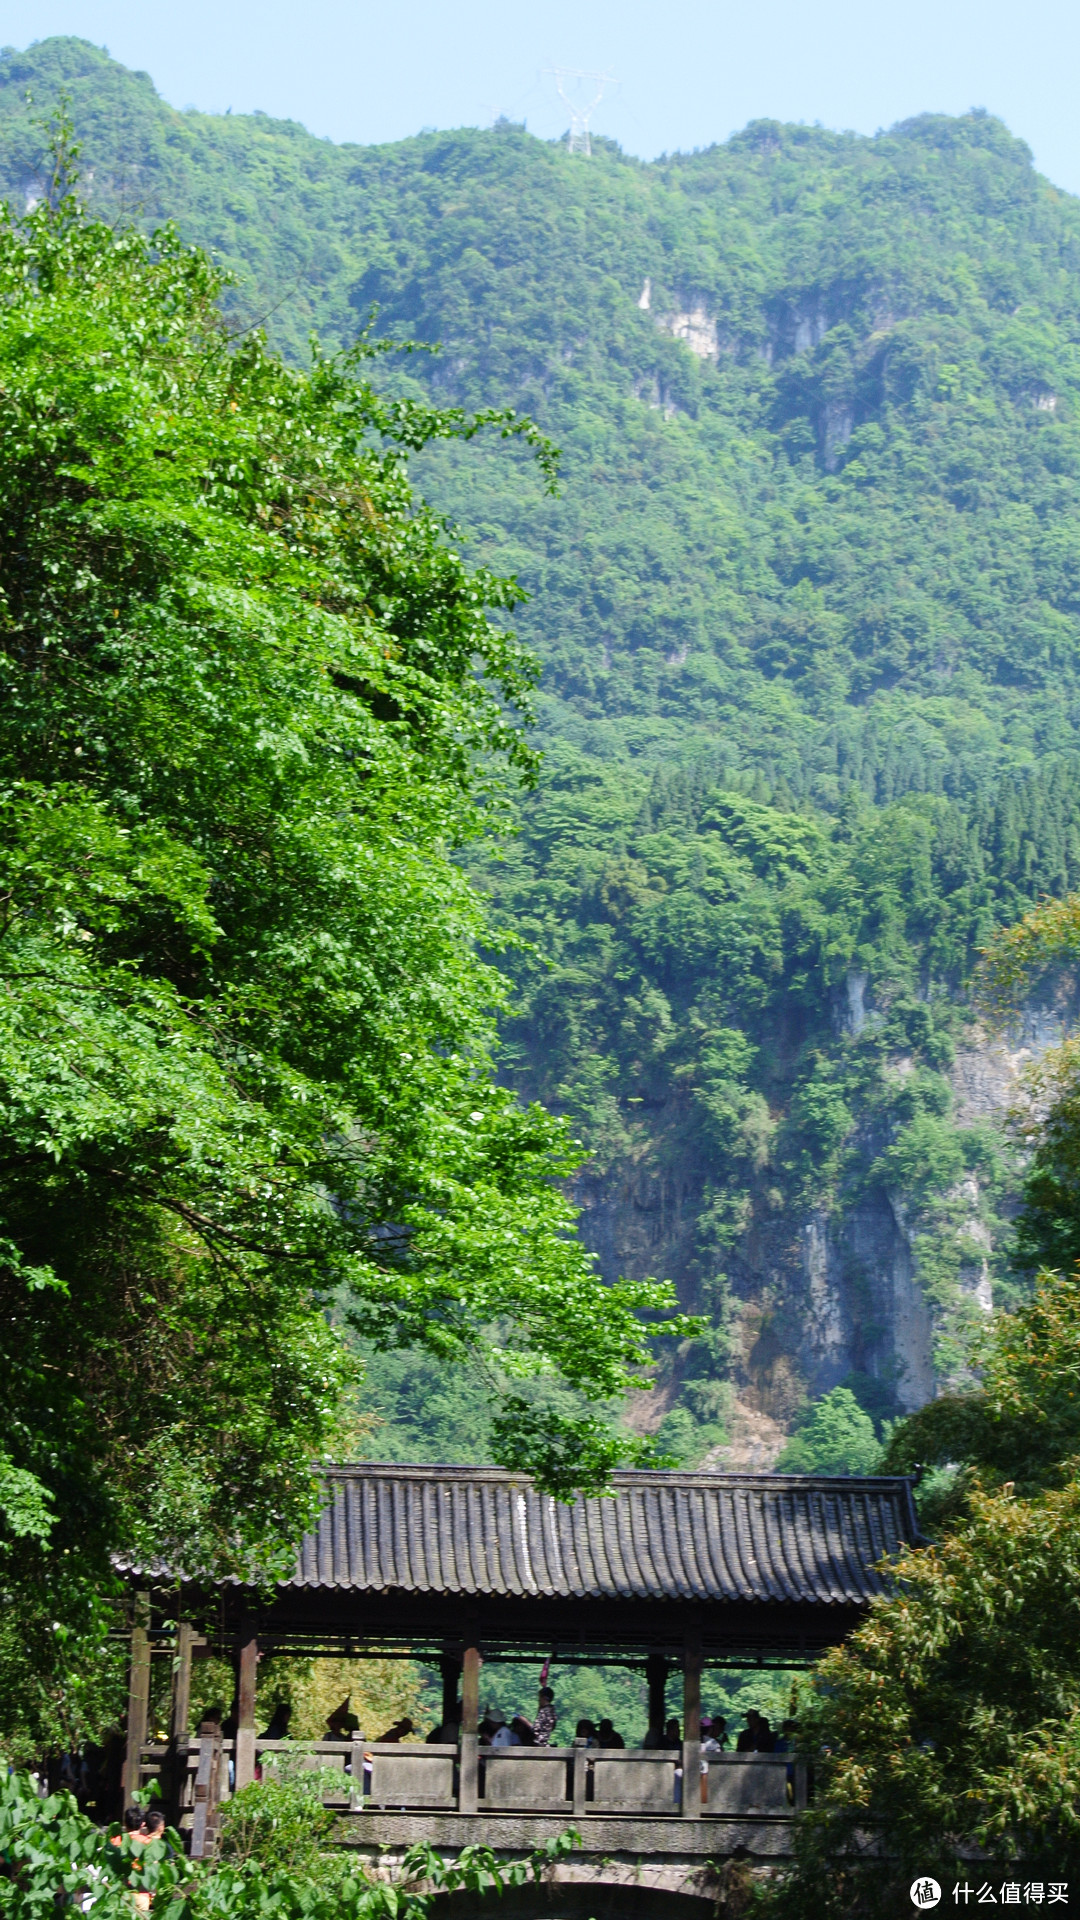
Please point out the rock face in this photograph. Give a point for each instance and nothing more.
(987, 1075)
(697, 328)
(815, 1300)
(864, 1274)
(836, 1290)
(755, 1445)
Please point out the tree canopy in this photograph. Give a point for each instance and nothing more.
(835, 1436)
(945, 1734)
(251, 705)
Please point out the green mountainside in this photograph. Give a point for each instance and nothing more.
(809, 614)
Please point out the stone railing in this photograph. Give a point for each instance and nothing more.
(572, 1782)
(578, 1781)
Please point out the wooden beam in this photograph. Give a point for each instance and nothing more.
(470, 1690)
(138, 1696)
(579, 1779)
(207, 1793)
(692, 1664)
(174, 1773)
(356, 1765)
(180, 1713)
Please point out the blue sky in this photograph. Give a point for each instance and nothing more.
(687, 74)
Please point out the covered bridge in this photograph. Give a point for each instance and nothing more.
(460, 1567)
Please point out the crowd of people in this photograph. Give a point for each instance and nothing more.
(496, 1730)
(538, 1730)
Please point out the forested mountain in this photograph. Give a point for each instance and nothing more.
(808, 609)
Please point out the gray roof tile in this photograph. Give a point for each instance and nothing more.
(680, 1536)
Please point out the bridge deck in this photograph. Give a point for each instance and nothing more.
(620, 1837)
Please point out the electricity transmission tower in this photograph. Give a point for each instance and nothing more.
(579, 107)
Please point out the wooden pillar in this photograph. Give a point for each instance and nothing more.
(468, 1782)
(450, 1669)
(181, 1683)
(247, 1670)
(692, 1663)
(656, 1671)
(356, 1769)
(207, 1793)
(138, 1696)
(175, 1772)
(579, 1779)
(470, 1690)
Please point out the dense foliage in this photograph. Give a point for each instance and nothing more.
(694, 953)
(949, 1724)
(250, 703)
(1022, 1422)
(807, 611)
(271, 1865)
(793, 540)
(945, 1735)
(833, 1436)
(702, 949)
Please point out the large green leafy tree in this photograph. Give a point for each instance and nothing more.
(945, 1739)
(835, 1437)
(250, 703)
(945, 1735)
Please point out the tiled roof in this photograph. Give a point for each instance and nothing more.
(673, 1536)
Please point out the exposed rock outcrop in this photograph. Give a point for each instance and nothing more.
(837, 1290)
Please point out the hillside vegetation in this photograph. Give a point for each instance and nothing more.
(809, 611)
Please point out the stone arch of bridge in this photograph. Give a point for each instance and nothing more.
(610, 1893)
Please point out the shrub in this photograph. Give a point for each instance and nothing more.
(50, 1853)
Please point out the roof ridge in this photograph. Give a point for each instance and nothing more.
(627, 1476)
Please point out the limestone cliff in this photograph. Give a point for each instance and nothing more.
(839, 1289)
